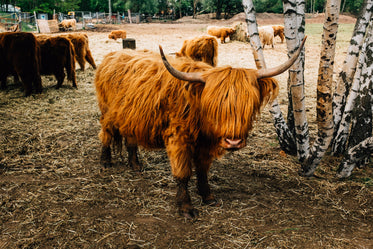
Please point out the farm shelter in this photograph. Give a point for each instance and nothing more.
(55, 194)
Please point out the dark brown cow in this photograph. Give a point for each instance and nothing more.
(81, 47)
(202, 48)
(19, 55)
(57, 54)
(196, 111)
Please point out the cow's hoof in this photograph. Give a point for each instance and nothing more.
(189, 214)
(137, 167)
(107, 165)
(212, 203)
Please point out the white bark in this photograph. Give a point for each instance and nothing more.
(343, 129)
(286, 138)
(348, 70)
(361, 126)
(324, 89)
(294, 22)
(354, 156)
(252, 29)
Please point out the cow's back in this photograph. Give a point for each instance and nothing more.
(138, 96)
(19, 54)
(19, 49)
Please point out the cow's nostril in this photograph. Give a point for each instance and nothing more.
(233, 142)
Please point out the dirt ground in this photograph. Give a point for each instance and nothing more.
(54, 193)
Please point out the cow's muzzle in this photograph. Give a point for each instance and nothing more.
(233, 144)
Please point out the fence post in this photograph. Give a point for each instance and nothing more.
(36, 23)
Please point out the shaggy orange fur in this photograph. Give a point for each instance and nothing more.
(68, 23)
(203, 48)
(115, 34)
(220, 32)
(279, 31)
(81, 47)
(141, 102)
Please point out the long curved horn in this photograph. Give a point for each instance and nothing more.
(193, 77)
(270, 72)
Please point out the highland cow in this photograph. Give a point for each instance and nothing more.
(196, 111)
(19, 56)
(266, 35)
(56, 55)
(203, 48)
(81, 47)
(115, 34)
(279, 31)
(65, 25)
(220, 32)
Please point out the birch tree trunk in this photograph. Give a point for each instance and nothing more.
(361, 127)
(354, 157)
(324, 107)
(286, 138)
(252, 30)
(347, 74)
(344, 127)
(294, 22)
(361, 147)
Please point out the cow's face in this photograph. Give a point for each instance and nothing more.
(231, 31)
(230, 101)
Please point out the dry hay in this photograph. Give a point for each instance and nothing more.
(54, 193)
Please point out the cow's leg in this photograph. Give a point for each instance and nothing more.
(16, 79)
(133, 160)
(106, 137)
(106, 156)
(202, 162)
(27, 84)
(3, 81)
(37, 84)
(181, 166)
(60, 76)
(183, 200)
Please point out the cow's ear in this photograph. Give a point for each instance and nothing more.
(268, 89)
(194, 89)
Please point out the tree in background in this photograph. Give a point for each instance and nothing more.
(270, 6)
(48, 6)
(222, 8)
(141, 6)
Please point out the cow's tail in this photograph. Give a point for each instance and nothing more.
(70, 64)
(89, 58)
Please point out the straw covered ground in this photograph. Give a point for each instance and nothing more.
(55, 194)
